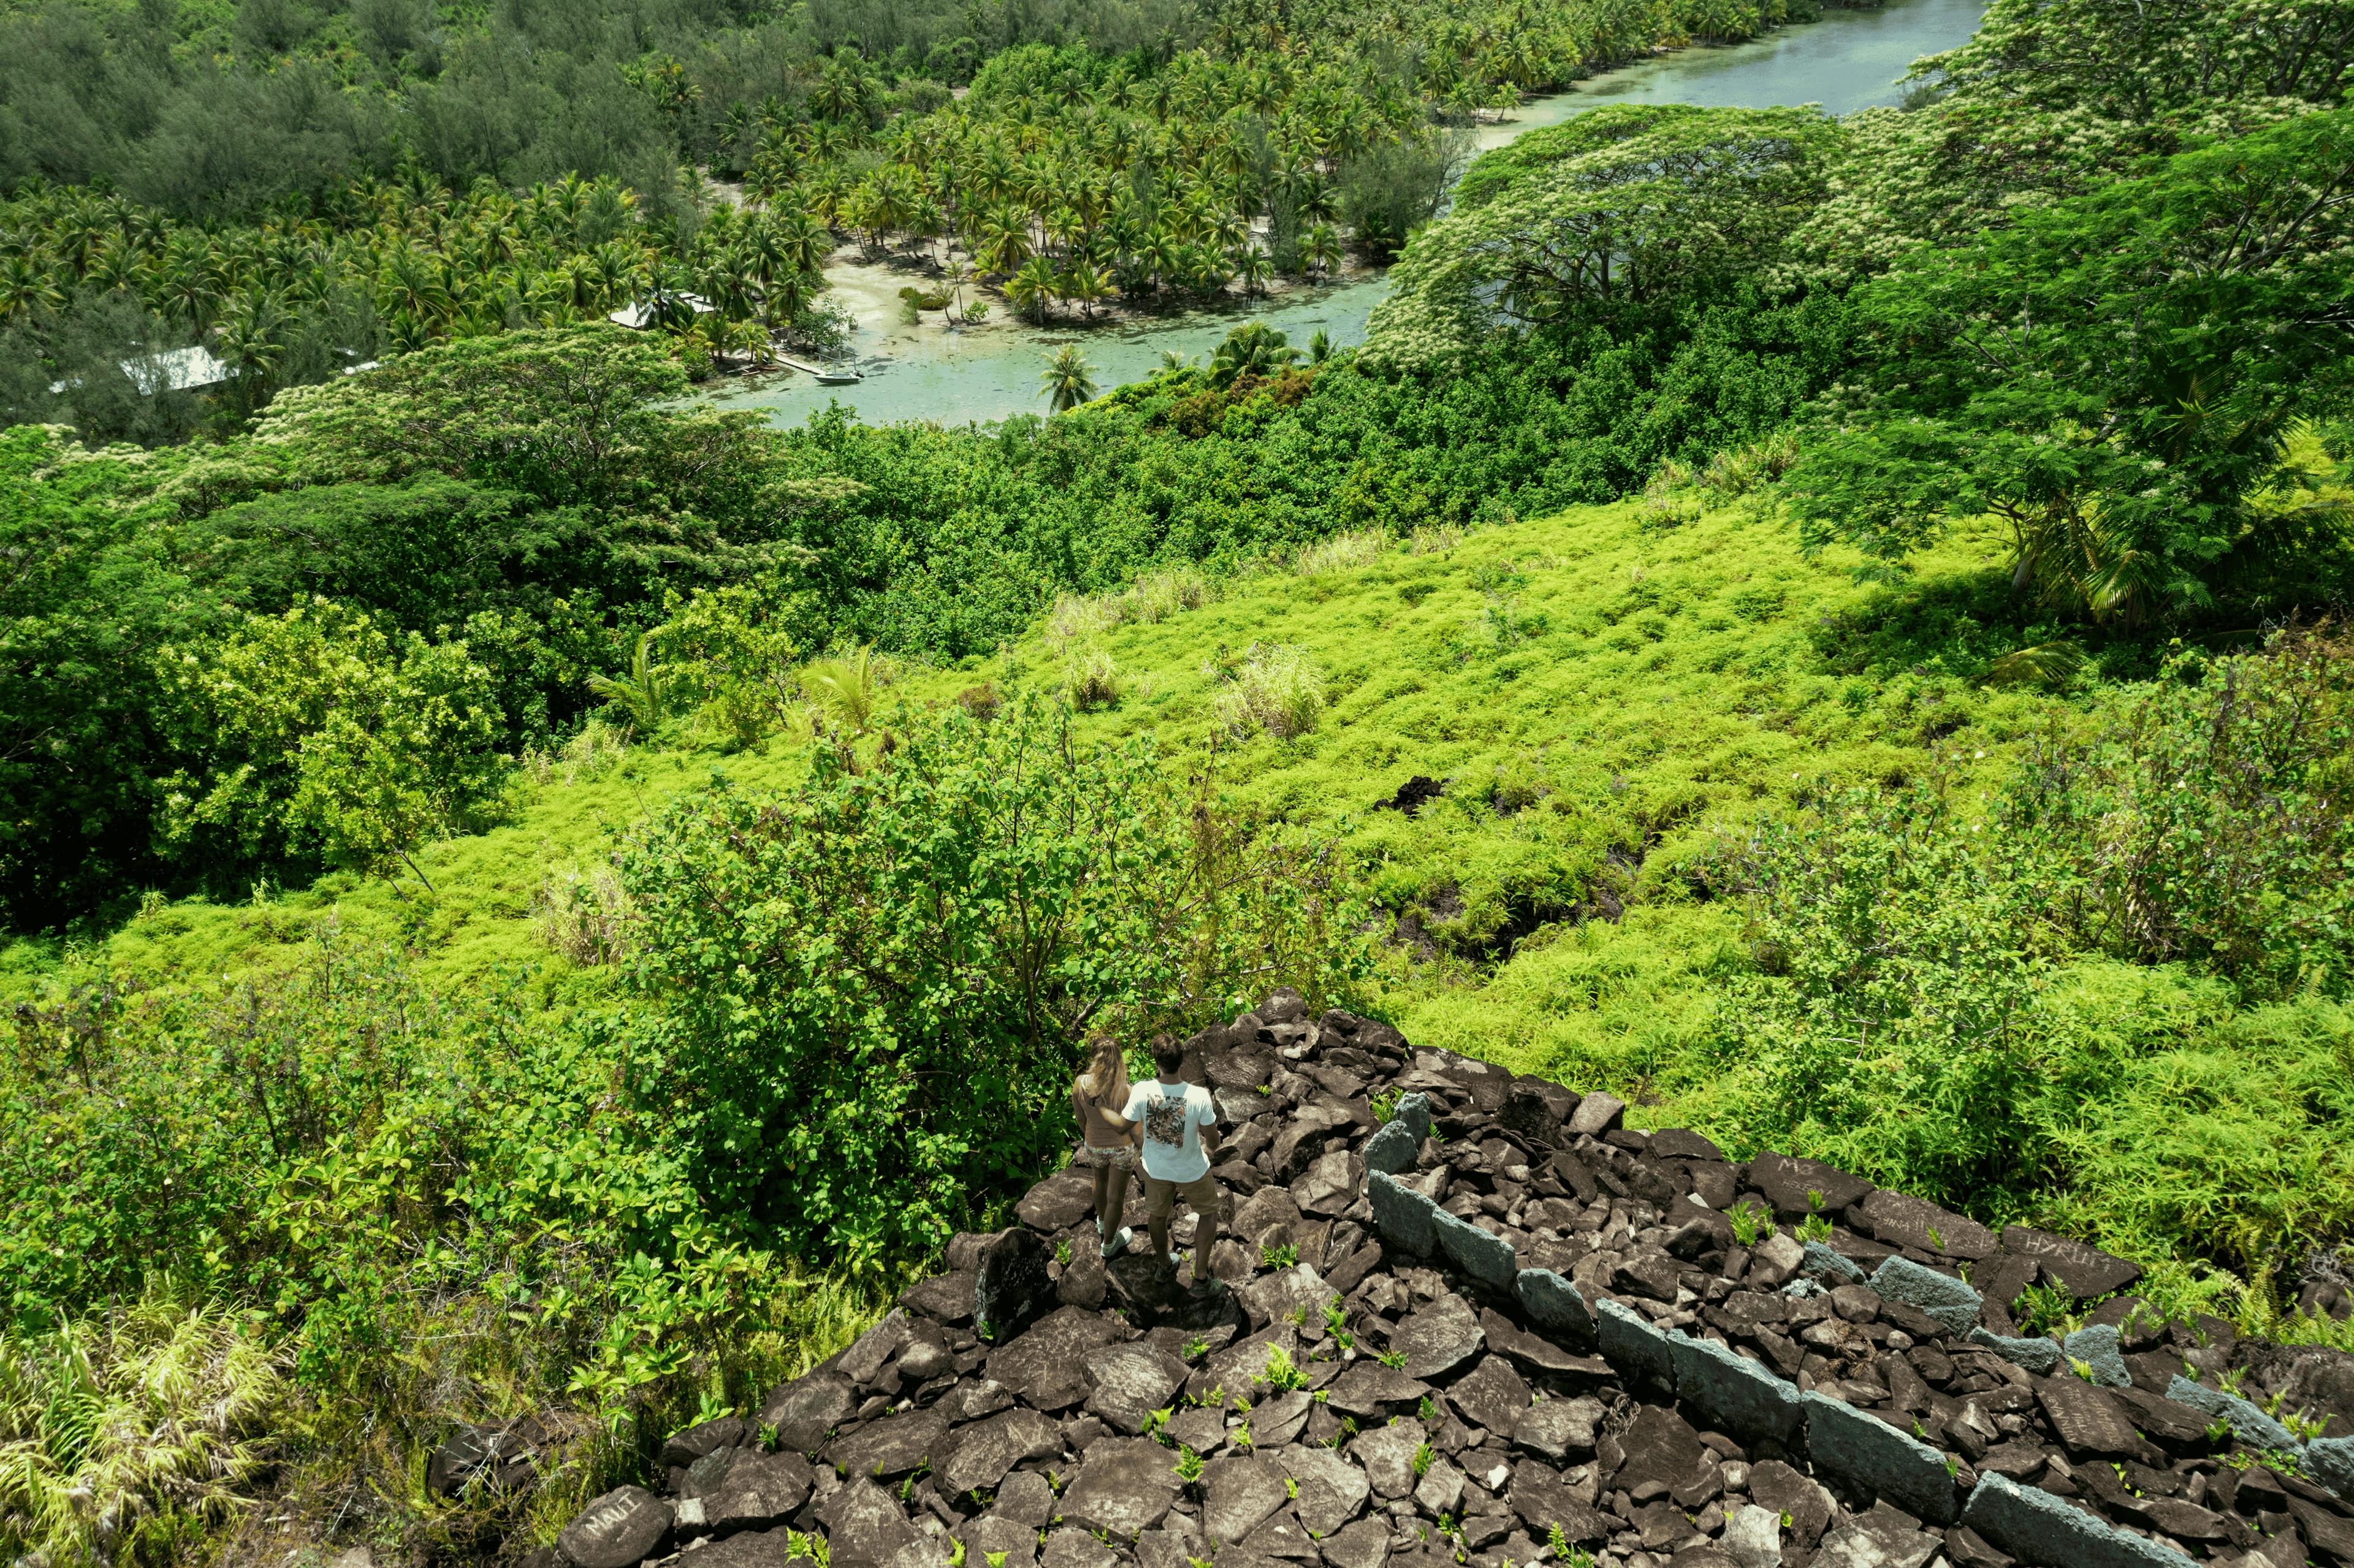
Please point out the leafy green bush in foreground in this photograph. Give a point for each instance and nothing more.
(861, 1002)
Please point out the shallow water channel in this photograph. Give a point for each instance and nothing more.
(1847, 61)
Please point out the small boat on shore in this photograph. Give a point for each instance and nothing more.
(827, 375)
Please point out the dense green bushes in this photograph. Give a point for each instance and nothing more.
(860, 1004)
(1934, 1006)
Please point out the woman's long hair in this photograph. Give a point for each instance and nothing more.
(1107, 1065)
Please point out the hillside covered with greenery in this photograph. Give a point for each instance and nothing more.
(528, 894)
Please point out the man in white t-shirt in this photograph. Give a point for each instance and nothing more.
(1181, 1133)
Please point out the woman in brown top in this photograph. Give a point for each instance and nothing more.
(1106, 1138)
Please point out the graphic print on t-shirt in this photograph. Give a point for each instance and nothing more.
(1164, 1120)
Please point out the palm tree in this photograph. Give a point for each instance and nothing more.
(1254, 268)
(1321, 347)
(1033, 287)
(1069, 379)
(1085, 284)
(1255, 349)
(1322, 250)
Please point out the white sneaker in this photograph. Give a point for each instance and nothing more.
(1119, 1243)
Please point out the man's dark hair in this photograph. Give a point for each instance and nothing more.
(1168, 1053)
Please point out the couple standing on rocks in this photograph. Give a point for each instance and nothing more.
(1172, 1125)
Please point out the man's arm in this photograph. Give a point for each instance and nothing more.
(1210, 1135)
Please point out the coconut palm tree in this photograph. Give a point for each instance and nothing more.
(1087, 284)
(1253, 349)
(1033, 288)
(1069, 379)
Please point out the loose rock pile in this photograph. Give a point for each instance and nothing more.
(1488, 1324)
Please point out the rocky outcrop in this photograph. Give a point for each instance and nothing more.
(1499, 1326)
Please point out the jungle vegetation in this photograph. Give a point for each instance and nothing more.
(1881, 577)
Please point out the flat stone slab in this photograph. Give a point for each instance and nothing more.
(1060, 1201)
(985, 1451)
(1775, 1485)
(1630, 1343)
(1558, 1430)
(806, 1409)
(995, 1532)
(1387, 1452)
(1132, 1380)
(2051, 1532)
(1880, 1538)
(2251, 1425)
(1872, 1453)
(619, 1530)
(2088, 1420)
(1491, 1395)
(1484, 1255)
(864, 1525)
(1734, 1395)
(1045, 1366)
(2085, 1271)
(1239, 1369)
(1949, 1300)
(1274, 1297)
(1544, 1504)
(895, 1445)
(1369, 1388)
(1902, 1221)
(1124, 1488)
(1238, 1493)
(1437, 1337)
(1392, 1148)
(1331, 1490)
(2096, 1346)
(1554, 1303)
(1364, 1544)
(760, 1489)
(1798, 1188)
(869, 1352)
(943, 1298)
(2039, 1356)
(1073, 1548)
(1403, 1215)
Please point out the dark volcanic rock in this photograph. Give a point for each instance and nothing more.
(1124, 1487)
(1544, 1504)
(1011, 1287)
(1901, 1221)
(1046, 1366)
(1559, 1430)
(864, 1525)
(759, 1490)
(685, 1447)
(866, 1355)
(1490, 1395)
(1238, 1493)
(1332, 1490)
(806, 1409)
(944, 1298)
(1130, 1382)
(1775, 1485)
(619, 1530)
(984, 1451)
(1060, 1201)
(1798, 1188)
(1438, 1337)
(891, 1448)
(2089, 1420)
(2085, 1271)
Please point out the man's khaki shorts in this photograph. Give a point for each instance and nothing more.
(1201, 1195)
